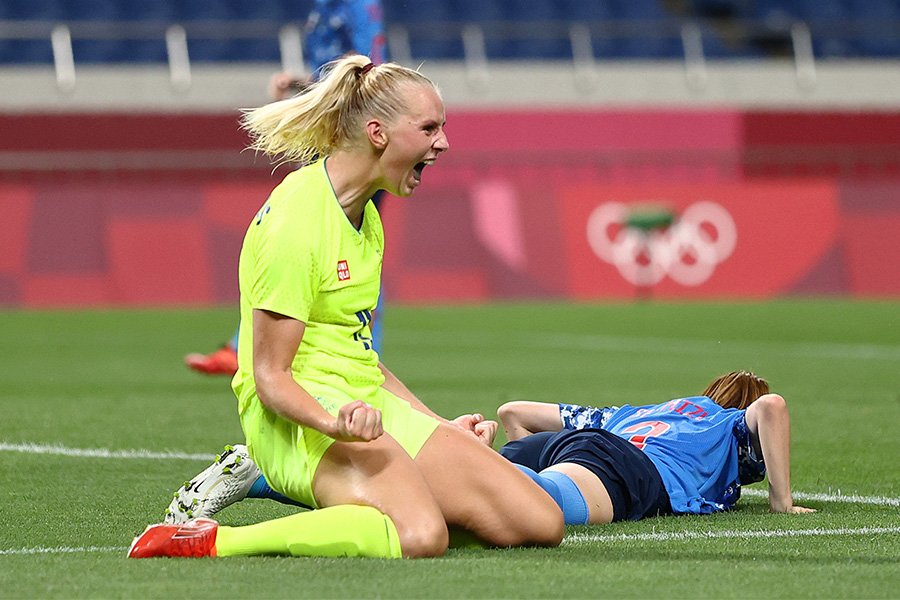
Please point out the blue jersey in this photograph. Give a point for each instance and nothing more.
(336, 27)
(701, 450)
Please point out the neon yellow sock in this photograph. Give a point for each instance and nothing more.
(460, 538)
(346, 530)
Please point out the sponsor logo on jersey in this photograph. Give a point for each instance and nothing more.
(343, 270)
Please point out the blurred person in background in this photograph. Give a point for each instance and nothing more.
(334, 28)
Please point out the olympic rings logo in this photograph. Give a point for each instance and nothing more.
(688, 251)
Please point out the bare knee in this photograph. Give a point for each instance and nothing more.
(381, 474)
(536, 519)
(544, 527)
(550, 528)
(529, 517)
(484, 494)
(422, 537)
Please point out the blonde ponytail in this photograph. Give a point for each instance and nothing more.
(331, 113)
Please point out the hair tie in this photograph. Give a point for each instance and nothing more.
(366, 69)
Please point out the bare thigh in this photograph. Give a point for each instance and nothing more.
(600, 508)
(382, 475)
(480, 491)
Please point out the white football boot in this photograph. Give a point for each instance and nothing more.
(226, 481)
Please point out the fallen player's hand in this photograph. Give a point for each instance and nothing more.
(794, 510)
(358, 421)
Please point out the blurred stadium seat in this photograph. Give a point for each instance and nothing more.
(877, 34)
(598, 17)
(655, 38)
(826, 18)
(36, 9)
(28, 51)
(428, 40)
(241, 31)
(544, 12)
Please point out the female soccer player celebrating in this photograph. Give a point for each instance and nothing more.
(327, 424)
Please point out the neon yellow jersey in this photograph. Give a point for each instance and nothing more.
(302, 258)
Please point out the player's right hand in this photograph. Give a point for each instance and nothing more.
(358, 421)
(794, 510)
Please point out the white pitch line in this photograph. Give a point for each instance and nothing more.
(578, 538)
(62, 550)
(679, 346)
(147, 454)
(648, 345)
(839, 497)
(99, 452)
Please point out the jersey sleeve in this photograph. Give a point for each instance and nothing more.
(751, 468)
(575, 416)
(286, 273)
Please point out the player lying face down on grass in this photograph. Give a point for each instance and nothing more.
(325, 422)
(685, 456)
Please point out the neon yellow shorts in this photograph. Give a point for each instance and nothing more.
(289, 454)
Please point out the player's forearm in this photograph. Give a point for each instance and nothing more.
(396, 387)
(280, 393)
(522, 418)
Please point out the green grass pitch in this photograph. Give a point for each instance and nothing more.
(73, 381)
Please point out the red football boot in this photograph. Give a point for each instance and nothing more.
(221, 362)
(192, 539)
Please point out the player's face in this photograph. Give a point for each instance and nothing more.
(414, 140)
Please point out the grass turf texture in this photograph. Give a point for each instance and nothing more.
(114, 380)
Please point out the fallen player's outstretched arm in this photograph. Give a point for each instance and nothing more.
(523, 418)
(770, 433)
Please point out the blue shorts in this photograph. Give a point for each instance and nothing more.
(630, 478)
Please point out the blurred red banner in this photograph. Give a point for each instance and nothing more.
(586, 205)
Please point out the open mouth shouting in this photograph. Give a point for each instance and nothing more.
(417, 170)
